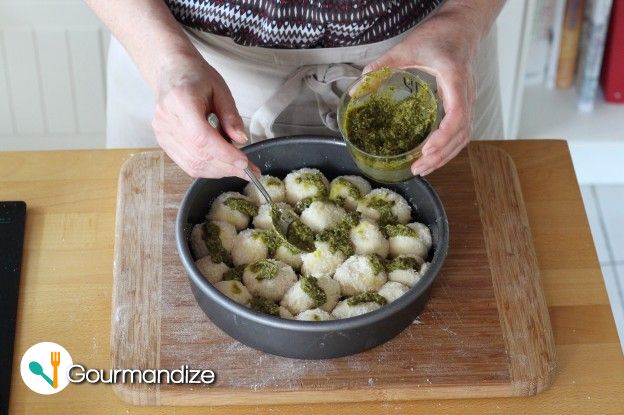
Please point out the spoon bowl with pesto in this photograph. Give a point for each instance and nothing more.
(386, 116)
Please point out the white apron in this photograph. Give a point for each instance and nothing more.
(277, 91)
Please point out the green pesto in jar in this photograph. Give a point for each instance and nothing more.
(341, 184)
(383, 206)
(376, 263)
(338, 238)
(310, 286)
(367, 297)
(234, 274)
(382, 125)
(264, 269)
(241, 205)
(403, 263)
(217, 252)
(400, 230)
(264, 305)
(313, 179)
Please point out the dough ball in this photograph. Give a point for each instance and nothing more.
(361, 273)
(269, 278)
(211, 271)
(263, 219)
(392, 290)
(385, 206)
(410, 239)
(406, 269)
(214, 238)
(322, 215)
(310, 292)
(322, 262)
(234, 208)
(235, 291)
(284, 254)
(368, 239)
(274, 186)
(304, 183)
(348, 190)
(249, 247)
(345, 310)
(284, 313)
(316, 314)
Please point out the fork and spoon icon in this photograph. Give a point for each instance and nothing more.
(55, 361)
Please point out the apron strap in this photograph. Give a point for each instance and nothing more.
(321, 80)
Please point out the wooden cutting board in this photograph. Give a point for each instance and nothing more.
(484, 333)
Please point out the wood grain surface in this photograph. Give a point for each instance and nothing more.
(485, 331)
(66, 287)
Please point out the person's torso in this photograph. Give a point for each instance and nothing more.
(302, 23)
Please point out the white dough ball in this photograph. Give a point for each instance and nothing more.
(316, 314)
(322, 262)
(284, 313)
(385, 206)
(269, 278)
(248, 247)
(197, 244)
(263, 219)
(322, 215)
(368, 239)
(360, 273)
(407, 271)
(302, 295)
(392, 290)
(410, 239)
(274, 187)
(235, 291)
(348, 190)
(344, 310)
(304, 183)
(211, 271)
(284, 254)
(234, 208)
(218, 234)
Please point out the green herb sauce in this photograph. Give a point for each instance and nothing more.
(340, 184)
(214, 245)
(376, 263)
(270, 238)
(338, 237)
(400, 230)
(235, 288)
(271, 181)
(305, 203)
(402, 263)
(264, 305)
(234, 274)
(264, 269)
(313, 179)
(310, 286)
(241, 205)
(300, 235)
(367, 297)
(383, 206)
(382, 125)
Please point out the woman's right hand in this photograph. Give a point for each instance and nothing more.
(188, 91)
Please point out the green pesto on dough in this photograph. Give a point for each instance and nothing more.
(272, 181)
(383, 206)
(264, 269)
(382, 125)
(270, 238)
(234, 274)
(400, 230)
(313, 179)
(341, 184)
(264, 305)
(402, 263)
(338, 237)
(235, 288)
(217, 252)
(299, 235)
(305, 203)
(241, 205)
(310, 286)
(367, 297)
(376, 263)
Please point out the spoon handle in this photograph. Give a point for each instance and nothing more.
(258, 185)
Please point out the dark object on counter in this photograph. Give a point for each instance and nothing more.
(12, 222)
(305, 339)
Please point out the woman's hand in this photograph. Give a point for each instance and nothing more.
(445, 46)
(188, 91)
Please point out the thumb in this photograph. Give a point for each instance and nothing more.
(391, 59)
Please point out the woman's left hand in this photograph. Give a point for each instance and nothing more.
(445, 46)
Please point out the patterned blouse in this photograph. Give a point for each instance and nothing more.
(300, 24)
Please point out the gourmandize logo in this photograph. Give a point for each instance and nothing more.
(44, 368)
